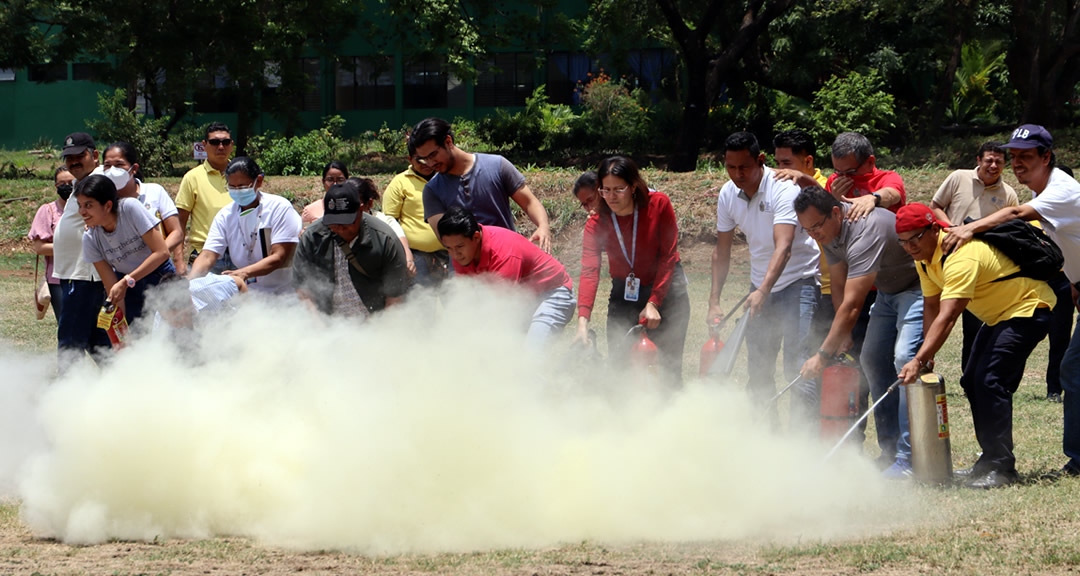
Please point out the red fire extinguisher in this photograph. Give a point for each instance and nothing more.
(111, 319)
(839, 397)
(644, 353)
(711, 349)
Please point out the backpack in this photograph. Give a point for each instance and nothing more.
(1028, 246)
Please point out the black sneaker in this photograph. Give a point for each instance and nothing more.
(1067, 471)
(993, 479)
(1054, 397)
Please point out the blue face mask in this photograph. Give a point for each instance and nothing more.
(242, 196)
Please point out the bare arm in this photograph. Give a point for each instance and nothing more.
(203, 263)
(945, 314)
(174, 240)
(854, 291)
(939, 212)
(183, 215)
(279, 255)
(721, 262)
(532, 207)
(433, 221)
(957, 236)
(783, 236)
(43, 248)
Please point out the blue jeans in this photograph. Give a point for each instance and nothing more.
(77, 332)
(556, 309)
(786, 317)
(135, 298)
(431, 267)
(893, 337)
(1070, 384)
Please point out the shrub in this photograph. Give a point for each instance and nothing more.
(541, 126)
(116, 122)
(615, 118)
(299, 155)
(855, 103)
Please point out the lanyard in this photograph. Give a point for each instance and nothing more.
(250, 238)
(622, 244)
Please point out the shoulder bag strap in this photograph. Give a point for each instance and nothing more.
(349, 256)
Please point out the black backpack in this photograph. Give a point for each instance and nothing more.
(1026, 245)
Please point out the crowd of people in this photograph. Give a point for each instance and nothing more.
(841, 264)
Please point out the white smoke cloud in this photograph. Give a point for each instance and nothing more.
(22, 382)
(430, 428)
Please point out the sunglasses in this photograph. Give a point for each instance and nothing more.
(215, 142)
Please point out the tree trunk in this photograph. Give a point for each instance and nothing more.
(695, 116)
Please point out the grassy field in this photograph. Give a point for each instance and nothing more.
(1032, 528)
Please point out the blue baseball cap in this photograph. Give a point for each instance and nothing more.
(1030, 136)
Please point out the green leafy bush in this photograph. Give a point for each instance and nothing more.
(116, 122)
(615, 118)
(855, 103)
(540, 127)
(304, 155)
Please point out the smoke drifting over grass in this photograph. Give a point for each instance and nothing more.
(420, 431)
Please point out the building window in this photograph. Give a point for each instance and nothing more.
(506, 81)
(215, 93)
(89, 71)
(309, 100)
(54, 72)
(654, 71)
(425, 83)
(7, 74)
(364, 83)
(565, 70)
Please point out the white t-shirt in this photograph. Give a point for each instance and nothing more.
(774, 203)
(249, 236)
(68, 261)
(391, 222)
(157, 201)
(1058, 206)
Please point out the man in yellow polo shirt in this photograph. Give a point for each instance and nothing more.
(203, 192)
(404, 200)
(1016, 311)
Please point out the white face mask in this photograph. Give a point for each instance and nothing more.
(119, 176)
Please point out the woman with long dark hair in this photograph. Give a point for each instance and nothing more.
(637, 229)
(123, 243)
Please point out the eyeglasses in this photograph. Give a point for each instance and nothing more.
(425, 159)
(334, 180)
(914, 240)
(216, 142)
(849, 172)
(813, 229)
(612, 191)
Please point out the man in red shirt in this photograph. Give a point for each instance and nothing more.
(477, 250)
(858, 181)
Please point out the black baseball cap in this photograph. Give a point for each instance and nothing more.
(342, 202)
(76, 143)
(1030, 136)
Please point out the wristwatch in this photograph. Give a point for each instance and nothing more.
(877, 199)
(129, 281)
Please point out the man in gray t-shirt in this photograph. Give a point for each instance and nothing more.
(481, 183)
(861, 255)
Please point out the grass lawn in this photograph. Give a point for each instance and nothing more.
(1032, 528)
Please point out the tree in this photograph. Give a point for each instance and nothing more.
(1044, 61)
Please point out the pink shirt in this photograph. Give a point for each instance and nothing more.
(511, 256)
(42, 229)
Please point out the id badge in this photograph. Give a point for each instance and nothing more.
(633, 289)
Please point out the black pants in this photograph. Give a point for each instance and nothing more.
(669, 336)
(995, 368)
(1060, 332)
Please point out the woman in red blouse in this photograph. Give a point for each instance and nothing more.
(637, 228)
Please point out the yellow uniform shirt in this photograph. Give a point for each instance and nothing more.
(826, 286)
(971, 271)
(203, 193)
(404, 200)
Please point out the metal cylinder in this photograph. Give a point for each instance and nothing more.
(931, 454)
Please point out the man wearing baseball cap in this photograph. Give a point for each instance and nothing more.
(1056, 204)
(349, 263)
(1016, 311)
(81, 291)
